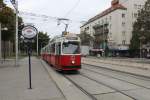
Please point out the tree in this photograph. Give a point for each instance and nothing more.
(141, 27)
(1, 3)
(43, 39)
(85, 38)
(7, 17)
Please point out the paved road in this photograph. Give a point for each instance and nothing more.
(106, 84)
(91, 83)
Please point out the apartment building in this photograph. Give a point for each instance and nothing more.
(112, 28)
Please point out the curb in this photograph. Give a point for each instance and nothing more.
(68, 89)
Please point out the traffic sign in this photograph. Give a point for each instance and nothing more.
(29, 32)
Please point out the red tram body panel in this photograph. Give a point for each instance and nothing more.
(63, 53)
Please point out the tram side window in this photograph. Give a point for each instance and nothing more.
(53, 48)
(58, 49)
(49, 51)
(71, 48)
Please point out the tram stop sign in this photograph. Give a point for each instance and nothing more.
(29, 32)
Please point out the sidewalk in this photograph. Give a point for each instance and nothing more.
(128, 62)
(14, 82)
(141, 69)
(137, 60)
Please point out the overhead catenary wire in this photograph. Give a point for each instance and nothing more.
(76, 4)
(44, 17)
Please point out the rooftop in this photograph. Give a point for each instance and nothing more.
(114, 6)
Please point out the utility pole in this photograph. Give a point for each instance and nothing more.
(1, 7)
(0, 41)
(15, 4)
(37, 47)
(103, 40)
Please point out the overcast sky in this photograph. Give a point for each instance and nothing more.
(75, 10)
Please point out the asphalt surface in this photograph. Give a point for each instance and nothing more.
(95, 81)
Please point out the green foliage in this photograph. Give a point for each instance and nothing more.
(1, 3)
(7, 17)
(85, 38)
(43, 39)
(141, 28)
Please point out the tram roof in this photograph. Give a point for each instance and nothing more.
(70, 37)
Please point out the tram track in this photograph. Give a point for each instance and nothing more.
(137, 76)
(82, 89)
(101, 83)
(125, 92)
(117, 90)
(92, 96)
(116, 78)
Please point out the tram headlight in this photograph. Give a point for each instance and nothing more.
(73, 62)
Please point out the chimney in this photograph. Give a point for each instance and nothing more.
(114, 2)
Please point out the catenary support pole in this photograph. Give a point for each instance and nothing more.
(37, 47)
(0, 41)
(16, 5)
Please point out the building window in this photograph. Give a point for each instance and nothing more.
(123, 33)
(123, 15)
(110, 18)
(135, 15)
(106, 20)
(110, 26)
(139, 6)
(123, 42)
(123, 24)
(135, 6)
(102, 22)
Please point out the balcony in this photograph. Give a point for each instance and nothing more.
(101, 29)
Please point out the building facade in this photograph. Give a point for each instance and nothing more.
(112, 28)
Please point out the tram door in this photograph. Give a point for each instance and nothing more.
(58, 55)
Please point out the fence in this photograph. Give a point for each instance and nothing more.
(7, 49)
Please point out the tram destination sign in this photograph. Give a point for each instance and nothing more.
(72, 38)
(29, 32)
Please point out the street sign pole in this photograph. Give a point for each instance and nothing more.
(29, 54)
(29, 33)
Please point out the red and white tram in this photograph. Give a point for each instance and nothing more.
(63, 52)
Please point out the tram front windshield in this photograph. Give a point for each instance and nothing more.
(71, 47)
